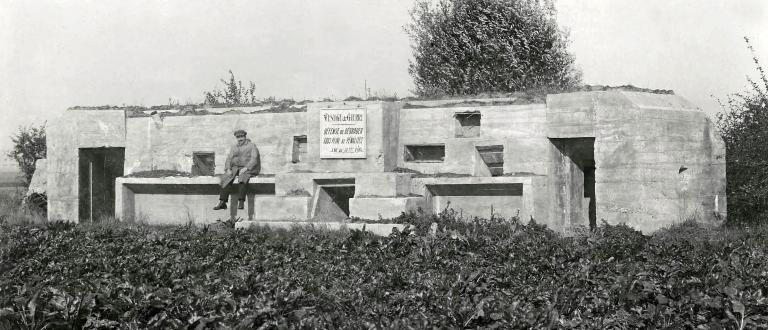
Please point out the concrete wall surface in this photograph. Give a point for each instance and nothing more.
(520, 129)
(475, 196)
(381, 128)
(155, 143)
(39, 184)
(76, 129)
(168, 143)
(658, 158)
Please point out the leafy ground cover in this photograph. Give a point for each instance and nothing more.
(457, 274)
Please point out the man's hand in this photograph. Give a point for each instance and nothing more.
(228, 171)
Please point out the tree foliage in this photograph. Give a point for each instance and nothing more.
(463, 47)
(28, 147)
(744, 127)
(233, 93)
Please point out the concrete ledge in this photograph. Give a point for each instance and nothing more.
(304, 183)
(508, 204)
(380, 229)
(375, 208)
(179, 200)
(418, 185)
(186, 180)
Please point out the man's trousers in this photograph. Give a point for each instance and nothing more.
(242, 189)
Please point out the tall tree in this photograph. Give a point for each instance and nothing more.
(744, 127)
(476, 46)
(28, 147)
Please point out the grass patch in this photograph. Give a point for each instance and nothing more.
(13, 210)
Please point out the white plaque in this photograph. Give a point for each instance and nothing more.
(342, 133)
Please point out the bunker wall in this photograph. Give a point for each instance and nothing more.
(168, 143)
(155, 143)
(381, 131)
(519, 129)
(73, 130)
(658, 158)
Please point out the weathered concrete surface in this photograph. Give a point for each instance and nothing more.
(572, 116)
(475, 196)
(376, 208)
(520, 129)
(168, 143)
(304, 184)
(73, 130)
(38, 185)
(382, 184)
(292, 208)
(380, 229)
(658, 159)
(181, 200)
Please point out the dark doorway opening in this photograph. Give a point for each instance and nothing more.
(331, 202)
(98, 169)
(574, 176)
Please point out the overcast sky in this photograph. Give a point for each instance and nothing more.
(57, 54)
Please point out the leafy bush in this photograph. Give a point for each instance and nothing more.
(233, 93)
(503, 274)
(743, 126)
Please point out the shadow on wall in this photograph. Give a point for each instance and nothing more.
(574, 181)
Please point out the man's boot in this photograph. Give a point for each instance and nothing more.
(240, 204)
(222, 206)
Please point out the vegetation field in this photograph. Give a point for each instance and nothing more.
(457, 274)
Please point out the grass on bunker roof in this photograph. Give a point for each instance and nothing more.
(464, 273)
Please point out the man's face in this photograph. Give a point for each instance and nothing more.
(240, 139)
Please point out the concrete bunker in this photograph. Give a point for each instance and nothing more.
(550, 161)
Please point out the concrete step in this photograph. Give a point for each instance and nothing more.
(376, 208)
(380, 229)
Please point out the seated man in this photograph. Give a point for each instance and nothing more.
(242, 163)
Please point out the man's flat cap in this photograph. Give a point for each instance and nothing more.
(240, 133)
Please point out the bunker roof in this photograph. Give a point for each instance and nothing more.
(288, 105)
